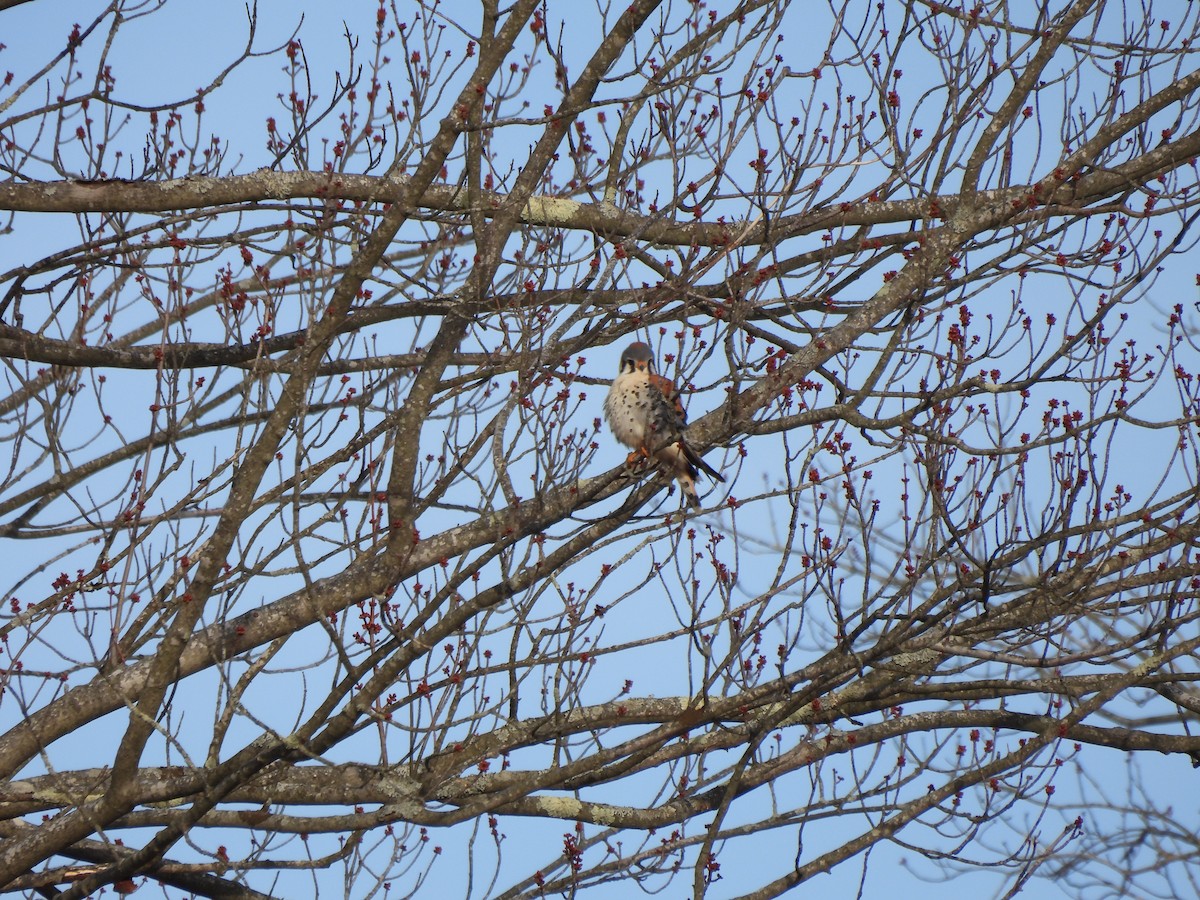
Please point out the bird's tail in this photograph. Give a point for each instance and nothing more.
(687, 484)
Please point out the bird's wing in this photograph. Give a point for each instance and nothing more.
(670, 423)
(697, 461)
(667, 390)
(667, 420)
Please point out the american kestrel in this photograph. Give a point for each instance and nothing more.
(644, 412)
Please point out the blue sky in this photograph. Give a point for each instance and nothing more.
(185, 45)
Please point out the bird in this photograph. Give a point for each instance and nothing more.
(645, 413)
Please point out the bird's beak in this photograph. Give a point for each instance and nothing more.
(639, 366)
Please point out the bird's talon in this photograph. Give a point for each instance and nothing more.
(637, 459)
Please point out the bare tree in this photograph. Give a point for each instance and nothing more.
(321, 567)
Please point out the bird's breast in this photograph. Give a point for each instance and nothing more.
(627, 409)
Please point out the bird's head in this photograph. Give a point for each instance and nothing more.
(637, 357)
